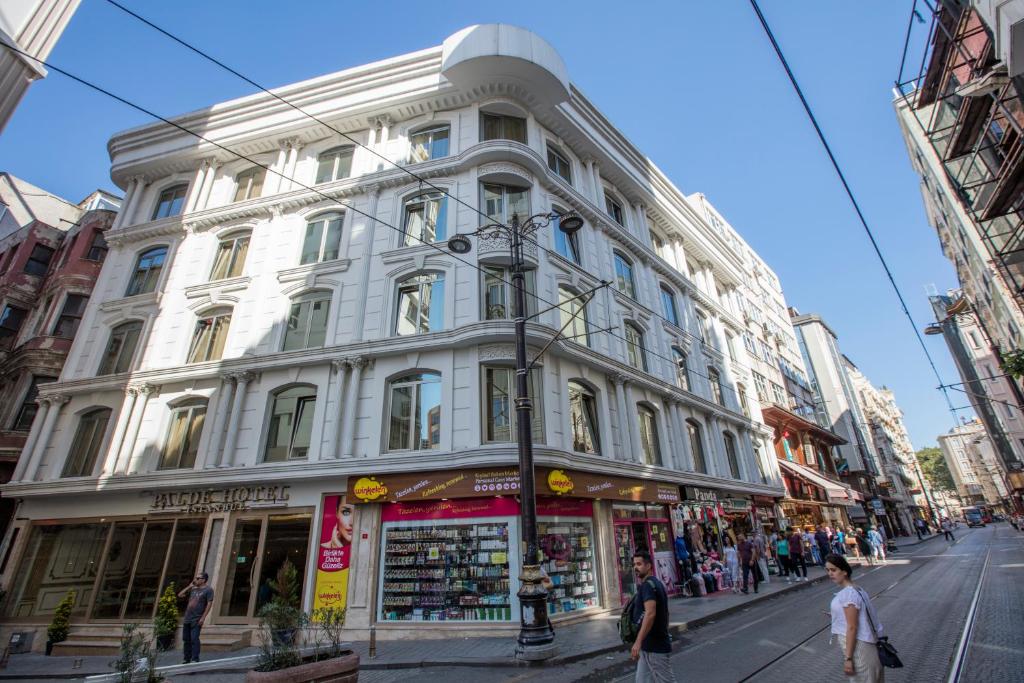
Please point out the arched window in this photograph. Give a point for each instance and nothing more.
(420, 304)
(559, 163)
(668, 304)
(334, 164)
(230, 259)
(502, 127)
(210, 336)
(307, 321)
(583, 419)
(624, 276)
(502, 201)
(85, 448)
(566, 245)
(499, 301)
(426, 219)
(682, 368)
(649, 436)
(121, 348)
(249, 183)
(730, 454)
(700, 462)
(170, 201)
(636, 355)
(414, 408)
(322, 241)
(291, 424)
(715, 380)
(182, 444)
(573, 315)
(147, 271)
(428, 144)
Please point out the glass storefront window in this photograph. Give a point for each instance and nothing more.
(446, 571)
(241, 569)
(146, 581)
(567, 555)
(259, 547)
(287, 540)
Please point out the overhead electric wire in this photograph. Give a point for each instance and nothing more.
(423, 181)
(140, 108)
(850, 195)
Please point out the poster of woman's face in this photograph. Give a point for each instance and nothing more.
(336, 531)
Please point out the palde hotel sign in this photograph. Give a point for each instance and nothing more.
(220, 500)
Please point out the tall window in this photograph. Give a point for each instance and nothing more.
(573, 313)
(39, 260)
(649, 436)
(98, 247)
(10, 322)
(86, 447)
(741, 393)
(700, 463)
(668, 304)
(702, 327)
(307, 321)
(624, 276)
(613, 208)
(426, 219)
(420, 304)
(322, 241)
(715, 380)
(501, 127)
(147, 271)
(583, 419)
(209, 337)
(415, 412)
(761, 386)
(635, 353)
(291, 424)
(230, 259)
(334, 164)
(559, 164)
(499, 295)
(170, 202)
(566, 245)
(682, 368)
(501, 202)
(70, 316)
(499, 409)
(121, 348)
(182, 443)
(730, 454)
(249, 183)
(29, 407)
(428, 144)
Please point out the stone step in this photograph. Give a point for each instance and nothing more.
(104, 641)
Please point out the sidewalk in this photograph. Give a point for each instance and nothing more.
(582, 640)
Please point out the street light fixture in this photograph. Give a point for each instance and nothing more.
(536, 638)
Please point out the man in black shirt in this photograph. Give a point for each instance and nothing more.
(653, 644)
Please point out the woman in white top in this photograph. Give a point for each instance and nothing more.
(850, 622)
(732, 563)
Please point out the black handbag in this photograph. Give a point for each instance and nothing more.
(886, 650)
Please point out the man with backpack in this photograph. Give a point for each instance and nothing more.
(648, 615)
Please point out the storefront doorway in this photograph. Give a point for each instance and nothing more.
(641, 527)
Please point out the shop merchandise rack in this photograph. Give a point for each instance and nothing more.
(567, 557)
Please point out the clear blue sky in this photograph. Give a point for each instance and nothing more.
(694, 85)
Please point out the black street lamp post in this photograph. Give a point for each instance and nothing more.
(536, 638)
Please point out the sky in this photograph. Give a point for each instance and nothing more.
(694, 85)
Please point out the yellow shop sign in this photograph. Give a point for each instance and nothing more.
(559, 482)
(369, 489)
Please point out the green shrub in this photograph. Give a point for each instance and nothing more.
(57, 631)
(165, 623)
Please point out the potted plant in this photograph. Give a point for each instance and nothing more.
(165, 624)
(282, 615)
(57, 631)
(137, 658)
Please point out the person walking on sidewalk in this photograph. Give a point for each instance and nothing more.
(653, 644)
(200, 600)
(797, 562)
(732, 563)
(762, 556)
(947, 529)
(821, 538)
(864, 546)
(877, 544)
(919, 528)
(748, 562)
(782, 553)
(852, 618)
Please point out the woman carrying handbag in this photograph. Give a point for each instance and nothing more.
(856, 627)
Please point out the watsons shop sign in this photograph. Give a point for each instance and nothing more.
(220, 500)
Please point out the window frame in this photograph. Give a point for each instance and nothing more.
(140, 277)
(303, 402)
(502, 120)
(254, 178)
(506, 190)
(651, 450)
(215, 320)
(557, 159)
(234, 242)
(583, 407)
(682, 368)
(717, 390)
(429, 131)
(402, 289)
(623, 263)
(325, 230)
(94, 444)
(635, 350)
(311, 298)
(9, 312)
(579, 329)
(416, 380)
(700, 460)
(535, 379)
(731, 454)
(28, 403)
(98, 246)
(503, 275)
(613, 208)
(424, 199)
(191, 410)
(120, 353)
(567, 246)
(668, 303)
(35, 261)
(73, 317)
(171, 194)
(336, 154)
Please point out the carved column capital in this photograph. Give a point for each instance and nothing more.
(617, 378)
(340, 364)
(54, 399)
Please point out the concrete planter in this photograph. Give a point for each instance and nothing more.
(341, 669)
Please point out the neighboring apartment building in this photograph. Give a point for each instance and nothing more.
(975, 467)
(297, 369)
(32, 26)
(895, 504)
(51, 252)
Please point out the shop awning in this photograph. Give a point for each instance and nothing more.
(856, 512)
(836, 492)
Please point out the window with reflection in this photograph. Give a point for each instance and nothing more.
(426, 219)
(210, 336)
(499, 408)
(583, 419)
(428, 144)
(649, 444)
(715, 380)
(613, 208)
(502, 127)
(334, 164)
(70, 316)
(170, 202)
(85, 448)
(624, 276)
(97, 248)
(182, 444)
(700, 463)
(559, 164)
(147, 271)
(566, 245)
(322, 241)
(230, 258)
(682, 368)
(414, 410)
(572, 314)
(730, 454)
(121, 348)
(307, 321)
(291, 424)
(249, 183)
(636, 355)
(499, 294)
(501, 202)
(420, 304)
